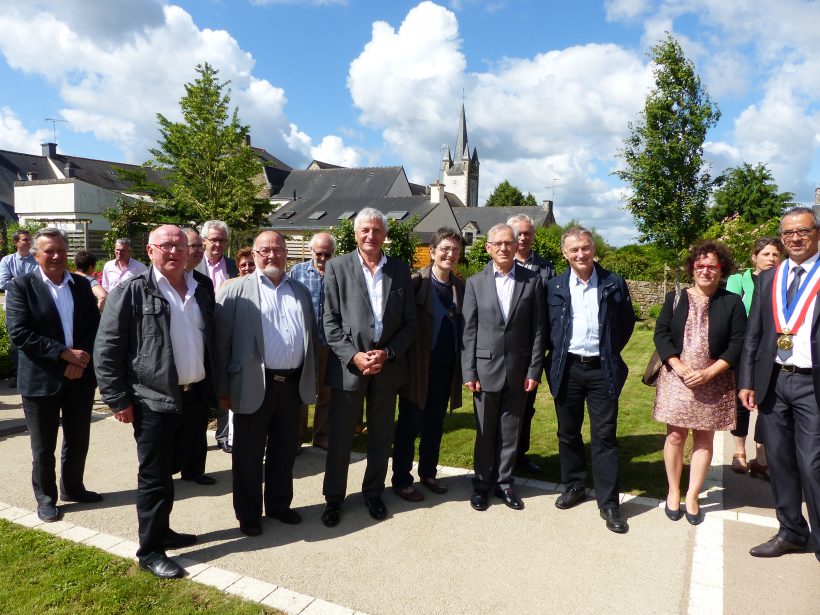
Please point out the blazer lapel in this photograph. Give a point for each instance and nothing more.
(387, 280)
(251, 291)
(355, 266)
(518, 288)
(492, 293)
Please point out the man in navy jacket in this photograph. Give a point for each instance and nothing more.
(590, 320)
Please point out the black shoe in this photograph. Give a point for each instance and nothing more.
(571, 497)
(479, 500)
(227, 448)
(525, 463)
(287, 516)
(775, 547)
(202, 479)
(376, 508)
(673, 515)
(176, 540)
(49, 513)
(694, 519)
(163, 567)
(614, 522)
(509, 497)
(86, 497)
(332, 514)
(250, 528)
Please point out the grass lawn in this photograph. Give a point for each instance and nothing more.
(640, 438)
(40, 573)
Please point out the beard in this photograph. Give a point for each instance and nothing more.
(273, 272)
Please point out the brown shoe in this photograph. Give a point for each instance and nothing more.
(739, 463)
(409, 493)
(758, 469)
(433, 485)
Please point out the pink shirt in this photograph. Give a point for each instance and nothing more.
(113, 275)
(218, 273)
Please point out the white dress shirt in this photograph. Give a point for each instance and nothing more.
(800, 353)
(218, 272)
(113, 275)
(585, 340)
(282, 326)
(64, 300)
(504, 285)
(187, 328)
(373, 281)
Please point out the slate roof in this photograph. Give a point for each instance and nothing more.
(14, 166)
(313, 186)
(486, 217)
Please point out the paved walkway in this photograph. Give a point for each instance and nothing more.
(440, 556)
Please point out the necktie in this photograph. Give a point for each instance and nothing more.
(792, 290)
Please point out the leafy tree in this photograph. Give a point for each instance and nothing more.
(547, 243)
(477, 256)
(640, 262)
(507, 195)
(345, 237)
(212, 172)
(663, 155)
(403, 240)
(751, 192)
(739, 236)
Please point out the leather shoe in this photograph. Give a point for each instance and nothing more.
(614, 522)
(775, 547)
(694, 519)
(409, 493)
(227, 448)
(250, 528)
(287, 516)
(571, 497)
(86, 497)
(176, 540)
(163, 567)
(525, 463)
(376, 508)
(433, 485)
(332, 514)
(509, 497)
(202, 479)
(479, 500)
(49, 513)
(672, 515)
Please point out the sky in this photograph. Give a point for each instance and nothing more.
(549, 87)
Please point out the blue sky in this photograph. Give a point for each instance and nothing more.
(549, 87)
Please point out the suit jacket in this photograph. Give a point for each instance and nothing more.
(348, 321)
(542, 266)
(497, 353)
(240, 344)
(34, 327)
(760, 344)
(418, 356)
(616, 320)
(230, 267)
(727, 324)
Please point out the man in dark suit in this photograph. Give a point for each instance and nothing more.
(219, 268)
(590, 320)
(267, 350)
(52, 318)
(370, 321)
(779, 376)
(154, 361)
(501, 361)
(525, 256)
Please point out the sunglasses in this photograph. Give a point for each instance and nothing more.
(323, 254)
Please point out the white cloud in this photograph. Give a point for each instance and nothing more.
(617, 10)
(333, 150)
(14, 136)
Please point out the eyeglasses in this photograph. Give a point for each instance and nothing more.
(269, 251)
(216, 240)
(802, 233)
(707, 268)
(501, 244)
(323, 254)
(449, 249)
(197, 246)
(171, 247)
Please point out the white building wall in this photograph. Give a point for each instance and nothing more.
(64, 199)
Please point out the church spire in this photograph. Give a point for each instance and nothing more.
(462, 146)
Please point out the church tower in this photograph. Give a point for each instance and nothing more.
(459, 172)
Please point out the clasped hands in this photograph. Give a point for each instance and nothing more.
(77, 361)
(370, 362)
(691, 377)
(529, 385)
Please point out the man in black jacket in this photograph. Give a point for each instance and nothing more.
(154, 360)
(52, 318)
(590, 320)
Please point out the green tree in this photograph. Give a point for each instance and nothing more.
(663, 155)
(507, 195)
(403, 240)
(345, 237)
(640, 262)
(547, 243)
(477, 256)
(751, 192)
(739, 236)
(211, 170)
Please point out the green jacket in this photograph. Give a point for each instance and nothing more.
(742, 284)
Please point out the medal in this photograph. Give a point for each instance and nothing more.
(784, 342)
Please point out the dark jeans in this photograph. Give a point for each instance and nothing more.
(427, 422)
(162, 446)
(272, 432)
(194, 463)
(585, 382)
(43, 418)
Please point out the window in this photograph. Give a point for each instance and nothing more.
(347, 215)
(469, 237)
(316, 215)
(396, 215)
(286, 214)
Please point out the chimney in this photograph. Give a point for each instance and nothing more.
(436, 192)
(248, 139)
(68, 170)
(49, 150)
(547, 205)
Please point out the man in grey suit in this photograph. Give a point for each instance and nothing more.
(501, 361)
(266, 341)
(219, 268)
(369, 320)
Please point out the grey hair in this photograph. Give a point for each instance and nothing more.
(188, 229)
(332, 240)
(501, 226)
(49, 232)
(577, 231)
(124, 241)
(217, 224)
(369, 213)
(799, 211)
(519, 218)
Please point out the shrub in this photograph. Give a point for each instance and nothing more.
(636, 308)
(653, 311)
(5, 347)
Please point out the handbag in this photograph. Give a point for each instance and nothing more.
(653, 367)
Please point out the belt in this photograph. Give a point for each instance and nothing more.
(589, 361)
(283, 375)
(189, 387)
(792, 369)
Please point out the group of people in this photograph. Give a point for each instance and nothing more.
(197, 331)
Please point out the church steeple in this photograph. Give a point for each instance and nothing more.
(459, 171)
(462, 145)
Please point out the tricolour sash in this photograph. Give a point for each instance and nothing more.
(789, 319)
